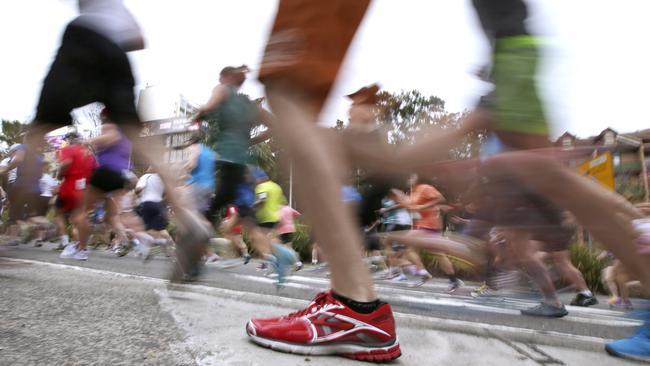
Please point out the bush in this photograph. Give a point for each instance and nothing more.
(302, 241)
(587, 262)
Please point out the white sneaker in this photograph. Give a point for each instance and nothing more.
(69, 251)
(213, 258)
(81, 255)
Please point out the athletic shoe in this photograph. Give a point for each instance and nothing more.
(247, 259)
(145, 252)
(328, 327)
(617, 302)
(122, 250)
(455, 285)
(546, 310)
(483, 290)
(584, 300)
(212, 258)
(69, 251)
(401, 277)
(298, 266)
(81, 255)
(393, 273)
(636, 347)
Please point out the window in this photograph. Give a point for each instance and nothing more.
(609, 138)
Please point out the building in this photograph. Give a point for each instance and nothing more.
(167, 118)
(630, 155)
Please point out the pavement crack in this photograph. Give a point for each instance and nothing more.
(546, 360)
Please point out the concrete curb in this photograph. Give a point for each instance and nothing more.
(515, 334)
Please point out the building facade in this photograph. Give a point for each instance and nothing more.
(630, 155)
(167, 119)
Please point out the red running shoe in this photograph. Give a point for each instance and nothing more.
(328, 327)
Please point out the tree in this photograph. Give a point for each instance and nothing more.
(12, 132)
(90, 118)
(408, 115)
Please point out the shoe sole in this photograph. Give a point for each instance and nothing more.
(590, 303)
(559, 315)
(625, 356)
(352, 351)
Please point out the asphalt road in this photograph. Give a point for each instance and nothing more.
(430, 300)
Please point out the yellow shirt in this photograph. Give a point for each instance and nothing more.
(273, 198)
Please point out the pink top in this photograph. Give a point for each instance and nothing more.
(286, 225)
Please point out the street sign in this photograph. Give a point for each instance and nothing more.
(600, 169)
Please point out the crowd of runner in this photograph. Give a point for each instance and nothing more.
(519, 210)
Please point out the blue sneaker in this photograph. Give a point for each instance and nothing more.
(285, 258)
(636, 347)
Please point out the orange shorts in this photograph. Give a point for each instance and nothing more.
(308, 43)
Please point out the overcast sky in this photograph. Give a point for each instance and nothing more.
(595, 73)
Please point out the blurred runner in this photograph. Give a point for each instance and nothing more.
(269, 199)
(287, 228)
(92, 66)
(76, 165)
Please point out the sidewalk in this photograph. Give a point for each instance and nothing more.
(59, 314)
(214, 328)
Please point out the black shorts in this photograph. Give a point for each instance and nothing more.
(154, 215)
(287, 238)
(229, 177)
(107, 180)
(267, 225)
(88, 68)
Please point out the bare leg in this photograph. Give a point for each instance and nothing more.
(92, 196)
(568, 271)
(610, 282)
(524, 252)
(470, 252)
(314, 159)
(113, 216)
(602, 213)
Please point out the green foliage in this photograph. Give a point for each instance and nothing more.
(587, 262)
(265, 156)
(302, 241)
(409, 115)
(11, 132)
(630, 187)
(407, 112)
